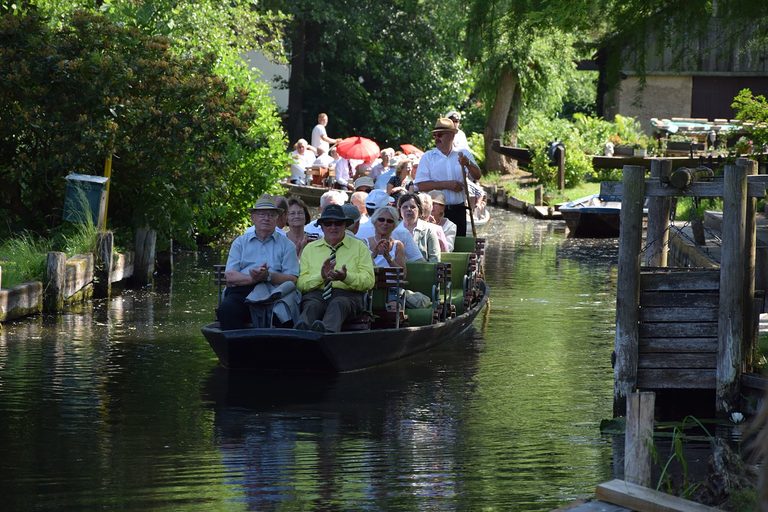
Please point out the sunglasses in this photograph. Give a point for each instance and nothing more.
(333, 223)
(384, 219)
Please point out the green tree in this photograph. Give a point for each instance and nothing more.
(191, 150)
(385, 70)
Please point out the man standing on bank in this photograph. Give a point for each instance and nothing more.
(442, 168)
(335, 273)
(320, 138)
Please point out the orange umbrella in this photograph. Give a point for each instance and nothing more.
(358, 148)
(410, 149)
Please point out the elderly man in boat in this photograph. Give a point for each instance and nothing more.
(261, 272)
(336, 271)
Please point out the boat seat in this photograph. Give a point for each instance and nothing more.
(463, 268)
(473, 245)
(423, 277)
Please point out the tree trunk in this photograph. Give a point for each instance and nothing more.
(513, 124)
(295, 125)
(497, 121)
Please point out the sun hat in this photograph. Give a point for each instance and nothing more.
(333, 212)
(265, 202)
(443, 124)
(364, 181)
(351, 211)
(453, 115)
(437, 197)
(377, 198)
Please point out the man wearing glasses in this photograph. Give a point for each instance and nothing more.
(442, 168)
(336, 271)
(259, 258)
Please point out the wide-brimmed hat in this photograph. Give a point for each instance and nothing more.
(266, 203)
(437, 197)
(377, 198)
(453, 115)
(351, 211)
(443, 124)
(333, 212)
(364, 181)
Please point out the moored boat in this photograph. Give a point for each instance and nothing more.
(310, 194)
(592, 217)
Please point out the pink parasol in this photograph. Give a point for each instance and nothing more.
(410, 149)
(358, 148)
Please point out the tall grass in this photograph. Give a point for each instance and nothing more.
(23, 259)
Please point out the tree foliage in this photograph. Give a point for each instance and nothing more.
(753, 109)
(385, 70)
(191, 150)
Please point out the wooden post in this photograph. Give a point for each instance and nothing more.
(639, 438)
(749, 346)
(102, 271)
(730, 328)
(55, 279)
(657, 234)
(144, 264)
(538, 195)
(560, 155)
(628, 287)
(164, 260)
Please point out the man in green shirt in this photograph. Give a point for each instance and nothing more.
(335, 273)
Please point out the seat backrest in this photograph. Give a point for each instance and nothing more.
(464, 244)
(459, 262)
(421, 276)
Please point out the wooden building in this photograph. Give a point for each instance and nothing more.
(691, 76)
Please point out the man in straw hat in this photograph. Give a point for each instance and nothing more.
(261, 261)
(336, 271)
(442, 168)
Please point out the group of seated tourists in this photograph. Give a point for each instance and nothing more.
(288, 270)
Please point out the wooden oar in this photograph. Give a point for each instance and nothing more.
(469, 204)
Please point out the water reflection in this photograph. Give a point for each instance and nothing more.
(121, 405)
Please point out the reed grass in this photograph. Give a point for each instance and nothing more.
(22, 259)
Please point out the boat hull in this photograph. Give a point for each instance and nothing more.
(592, 223)
(308, 193)
(307, 351)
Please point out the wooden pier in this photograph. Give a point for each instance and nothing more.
(682, 328)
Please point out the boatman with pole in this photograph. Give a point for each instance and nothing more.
(443, 168)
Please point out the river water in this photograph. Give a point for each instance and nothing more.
(121, 405)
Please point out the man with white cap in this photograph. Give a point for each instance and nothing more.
(375, 200)
(442, 168)
(460, 139)
(256, 258)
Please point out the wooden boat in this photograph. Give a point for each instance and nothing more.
(280, 349)
(482, 217)
(592, 217)
(310, 194)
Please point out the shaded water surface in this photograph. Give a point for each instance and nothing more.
(121, 405)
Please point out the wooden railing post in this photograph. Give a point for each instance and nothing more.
(628, 287)
(144, 263)
(55, 279)
(730, 329)
(639, 438)
(749, 346)
(657, 233)
(102, 271)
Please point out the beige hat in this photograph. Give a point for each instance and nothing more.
(266, 202)
(444, 124)
(437, 197)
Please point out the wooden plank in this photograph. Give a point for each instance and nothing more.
(678, 314)
(678, 360)
(638, 437)
(648, 345)
(654, 188)
(678, 330)
(675, 378)
(643, 499)
(753, 380)
(682, 281)
(678, 299)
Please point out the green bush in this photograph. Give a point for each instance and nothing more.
(192, 149)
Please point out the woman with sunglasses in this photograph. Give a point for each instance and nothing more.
(298, 216)
(386, 251)
(423, 233)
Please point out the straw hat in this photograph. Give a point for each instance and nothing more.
(443, 124)
(266, 203)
